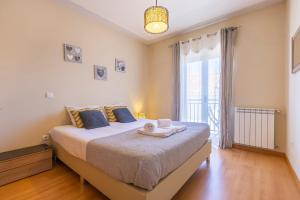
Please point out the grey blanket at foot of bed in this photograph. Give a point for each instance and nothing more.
(143, 160)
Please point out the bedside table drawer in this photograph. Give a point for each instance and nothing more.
(24, 160)
(25, 171)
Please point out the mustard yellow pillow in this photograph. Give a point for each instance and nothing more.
(110, 114)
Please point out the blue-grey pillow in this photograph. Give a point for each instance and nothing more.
(123, 115)
(93, 119)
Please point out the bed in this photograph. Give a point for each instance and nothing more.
(117, 158)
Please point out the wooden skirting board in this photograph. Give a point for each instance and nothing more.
(258, 150)
(273, 153)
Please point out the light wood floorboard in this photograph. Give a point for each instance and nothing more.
(232, 175)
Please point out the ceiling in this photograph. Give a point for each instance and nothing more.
(184, 14)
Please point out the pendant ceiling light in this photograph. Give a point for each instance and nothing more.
(156, 19)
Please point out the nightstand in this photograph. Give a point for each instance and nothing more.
(21, 163)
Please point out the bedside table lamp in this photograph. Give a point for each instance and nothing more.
(140, 115)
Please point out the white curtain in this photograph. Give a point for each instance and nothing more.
(199, 74)
(202, 46)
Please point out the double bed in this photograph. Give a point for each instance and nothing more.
(123, 164)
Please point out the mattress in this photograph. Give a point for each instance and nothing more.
(74, 140)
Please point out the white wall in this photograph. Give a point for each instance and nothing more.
(32, 35)
(293, 135)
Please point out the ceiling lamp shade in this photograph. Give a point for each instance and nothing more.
(156, 19)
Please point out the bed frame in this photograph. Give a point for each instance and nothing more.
(115, 189)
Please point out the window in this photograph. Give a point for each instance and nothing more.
(200, 88)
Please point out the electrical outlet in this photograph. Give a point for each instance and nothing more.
(46, 139)
(49, 95)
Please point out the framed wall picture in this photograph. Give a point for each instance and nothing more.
(100, 72)
(296, 52)
(72, 53)
(120, 65)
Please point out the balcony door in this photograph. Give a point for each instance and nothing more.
(200, 89)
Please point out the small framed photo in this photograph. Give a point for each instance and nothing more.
(120, 65)
(100, 72)
(72, 53)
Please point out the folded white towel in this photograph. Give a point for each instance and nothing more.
(149, 126)
(158, 132)
(179, 128)
(161, 123)
(163, 132)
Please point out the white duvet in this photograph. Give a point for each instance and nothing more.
(74, 140)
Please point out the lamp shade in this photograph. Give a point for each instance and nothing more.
(156, 19)
(141, 115)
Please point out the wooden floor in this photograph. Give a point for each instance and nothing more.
(232, 174)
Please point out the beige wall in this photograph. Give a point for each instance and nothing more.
(31, 62)
(259, 73)
(293, 136)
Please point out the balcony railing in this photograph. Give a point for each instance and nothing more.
(199, 110)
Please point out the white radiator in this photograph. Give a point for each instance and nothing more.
(255, 127)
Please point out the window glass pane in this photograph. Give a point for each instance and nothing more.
(194, 91)
(202, 82)
(194, 80)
